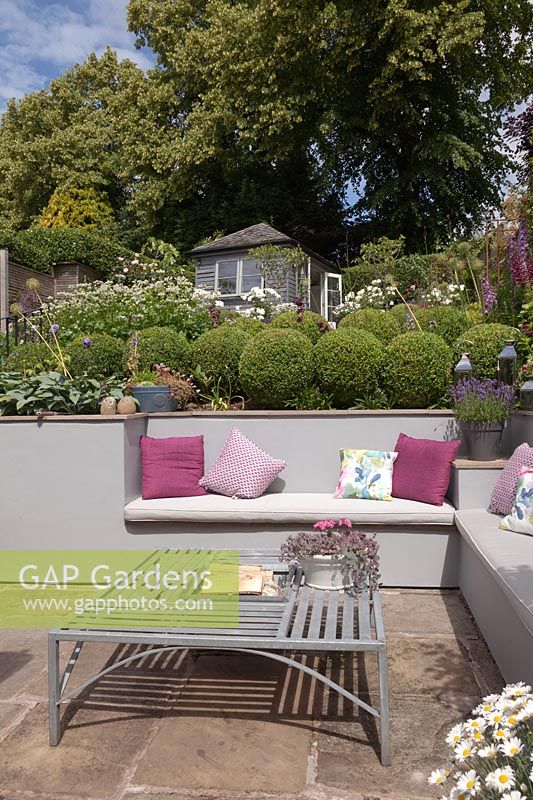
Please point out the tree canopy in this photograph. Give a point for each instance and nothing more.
(384, 116)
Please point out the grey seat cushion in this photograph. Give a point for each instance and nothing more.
(287, 507)
(508, 555)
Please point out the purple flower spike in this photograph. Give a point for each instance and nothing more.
(87, 342)
(54, 329)
(489, 295)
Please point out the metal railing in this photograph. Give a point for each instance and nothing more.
(14, 330)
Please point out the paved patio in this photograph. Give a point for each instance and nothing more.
(228, 726)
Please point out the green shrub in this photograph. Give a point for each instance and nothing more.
(348, 364)
(310, 324)
(357, 277)
(382, 324)
(31, 358)
(484, 343)
(446, 321)
(98, 355)
(247, 324)
(39, 248)
(276, 367)
(402, 316)
(163, 346)
(417, 369)
(217, 352)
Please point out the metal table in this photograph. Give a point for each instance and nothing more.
(303, 620)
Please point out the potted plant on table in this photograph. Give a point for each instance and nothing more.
(161, 390)
(482, 407)
(334, 556)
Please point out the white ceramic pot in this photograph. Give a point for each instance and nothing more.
(325, 572)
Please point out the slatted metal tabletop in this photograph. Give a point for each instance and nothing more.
(302, 620)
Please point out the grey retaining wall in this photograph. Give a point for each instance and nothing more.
(64, 480)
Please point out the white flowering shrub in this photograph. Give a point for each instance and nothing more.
(377, 294)
(492, 752)
(118, 308)
(263, 304)
(446, 294)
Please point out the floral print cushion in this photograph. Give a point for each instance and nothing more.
(521, 517)
(366, 474)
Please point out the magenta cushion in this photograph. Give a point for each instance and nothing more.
(172, 467)
(242, 468)
(503, 494)
(422, 469)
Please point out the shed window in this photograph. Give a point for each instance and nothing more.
(236, 276)
(227, 276)
(251, 277)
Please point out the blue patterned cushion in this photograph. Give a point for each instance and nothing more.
(366, 474)
(521, 517)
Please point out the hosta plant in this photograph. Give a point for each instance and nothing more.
(491, 753)
(52, 391)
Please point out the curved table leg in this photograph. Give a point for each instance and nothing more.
(56, 696)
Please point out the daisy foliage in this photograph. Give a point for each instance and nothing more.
(492, 752)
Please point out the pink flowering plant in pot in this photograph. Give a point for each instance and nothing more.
(335, 556)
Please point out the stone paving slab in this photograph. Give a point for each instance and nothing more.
(244, 743)
(91, 761)
(348, 751)
(427, 613)
(22, 660)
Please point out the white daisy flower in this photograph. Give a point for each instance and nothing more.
(469, 782)
(463, 750)
(437, 777)
(500, 734)
(516, 689)
(512, 747)
(514, 795)
(476, 725)
(455, 735)
(491, 751)
(501, 779)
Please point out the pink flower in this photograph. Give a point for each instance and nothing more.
(324, 525)
(346, 523)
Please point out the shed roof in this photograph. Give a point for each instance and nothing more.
(256, 236)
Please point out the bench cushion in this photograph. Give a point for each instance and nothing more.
(508, 556)
(287, 507)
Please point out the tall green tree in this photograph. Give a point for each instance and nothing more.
(70, 136)
(404, 99)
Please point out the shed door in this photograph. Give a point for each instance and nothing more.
(332, 294)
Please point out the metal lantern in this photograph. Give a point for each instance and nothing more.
(526, 396)
(507, 363)
(463, 369)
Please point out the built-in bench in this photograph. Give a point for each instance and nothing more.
(496, 579)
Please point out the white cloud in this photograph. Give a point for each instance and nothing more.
(39, 39)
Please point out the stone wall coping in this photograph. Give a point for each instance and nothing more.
(465, 463)
(288, 414)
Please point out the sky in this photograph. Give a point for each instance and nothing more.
(40, 39)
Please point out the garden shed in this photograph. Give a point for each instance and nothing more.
(229, 265)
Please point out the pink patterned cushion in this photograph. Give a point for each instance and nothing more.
(242, 469)
(422, 469)
(172, 467)
(504, 492)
